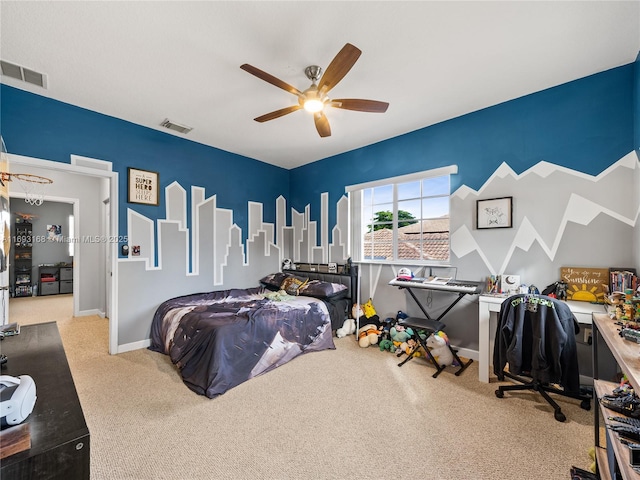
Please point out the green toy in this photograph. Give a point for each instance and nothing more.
(387, 344)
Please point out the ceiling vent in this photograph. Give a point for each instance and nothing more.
(23, 74)
(176, 127)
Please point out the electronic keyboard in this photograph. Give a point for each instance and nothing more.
(456, 286)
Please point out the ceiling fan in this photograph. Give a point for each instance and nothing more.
(314, 99)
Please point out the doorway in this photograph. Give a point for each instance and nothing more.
(88, 184)
(43, 266)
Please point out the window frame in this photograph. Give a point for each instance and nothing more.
(355, 195)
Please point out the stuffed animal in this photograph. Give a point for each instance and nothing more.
(400, 335)
(368, 335)
(348, 327)
(386, 344)
(356, 311)
(368, 309)
(438, 344)
(407, 347)
(385, 328)
(366, 315)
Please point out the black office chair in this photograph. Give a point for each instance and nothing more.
(522, 312)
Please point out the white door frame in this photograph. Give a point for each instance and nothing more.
(112, 276)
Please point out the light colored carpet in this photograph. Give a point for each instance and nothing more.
(49, 308)
(349, 413)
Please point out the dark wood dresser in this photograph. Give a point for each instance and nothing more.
(59, 433)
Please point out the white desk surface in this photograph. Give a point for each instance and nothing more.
(487, 324)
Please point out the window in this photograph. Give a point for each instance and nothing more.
(403, 219)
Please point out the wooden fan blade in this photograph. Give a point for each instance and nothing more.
(270, 79)
(359, 105)
(339, 67)
(277, 113)
(322, 124)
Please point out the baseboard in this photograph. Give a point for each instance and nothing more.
(466, 353)
(88, 313)
(128, 347)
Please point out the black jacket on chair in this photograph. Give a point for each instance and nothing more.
(536, 337)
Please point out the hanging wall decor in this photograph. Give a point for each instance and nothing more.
(143, 187)
(54, 233)
(494, 213)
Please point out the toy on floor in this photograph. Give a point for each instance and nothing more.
(348, 328)
(386, 344)
(407, 347)
(368, 309)
(384, 339)
(356, 311)
(368, 335)
(399, 335)
(438, 344)
(365, 312)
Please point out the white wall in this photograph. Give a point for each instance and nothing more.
(89, 265)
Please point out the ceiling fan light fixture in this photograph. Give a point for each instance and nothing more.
(312, 101)
(314, 98)
(313, 105)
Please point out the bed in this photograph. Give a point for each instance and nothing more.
(220, 339)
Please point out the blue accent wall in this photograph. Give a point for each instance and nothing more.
(585, 125)
(636, 104)
(40, 127)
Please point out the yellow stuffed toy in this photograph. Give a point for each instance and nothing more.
(368, 309)
(368, 333)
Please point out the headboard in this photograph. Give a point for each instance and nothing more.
(344, 273)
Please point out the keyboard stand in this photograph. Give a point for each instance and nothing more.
(431, 325)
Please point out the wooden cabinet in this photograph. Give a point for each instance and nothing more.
(22, 251)
(613, 456)
(59, 433)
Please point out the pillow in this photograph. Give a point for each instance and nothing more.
(292, 284)
(274, 280)
(321, 289)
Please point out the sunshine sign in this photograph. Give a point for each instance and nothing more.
(585, 284)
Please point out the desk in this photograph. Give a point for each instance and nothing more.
(59, 433)
(487, 325)
(625, 356)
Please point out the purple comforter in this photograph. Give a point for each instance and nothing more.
(220, 339)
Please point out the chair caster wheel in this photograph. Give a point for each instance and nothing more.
(499, 393)
(559, 416)
(585, 405)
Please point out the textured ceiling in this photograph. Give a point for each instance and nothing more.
(146, 61)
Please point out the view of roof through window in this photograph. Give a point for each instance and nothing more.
(407, 221)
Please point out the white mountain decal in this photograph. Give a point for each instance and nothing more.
(547, 198)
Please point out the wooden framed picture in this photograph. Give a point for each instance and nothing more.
(143, 186)
(494, 213)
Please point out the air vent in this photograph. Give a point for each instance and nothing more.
(24, 74)
(175, 126)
